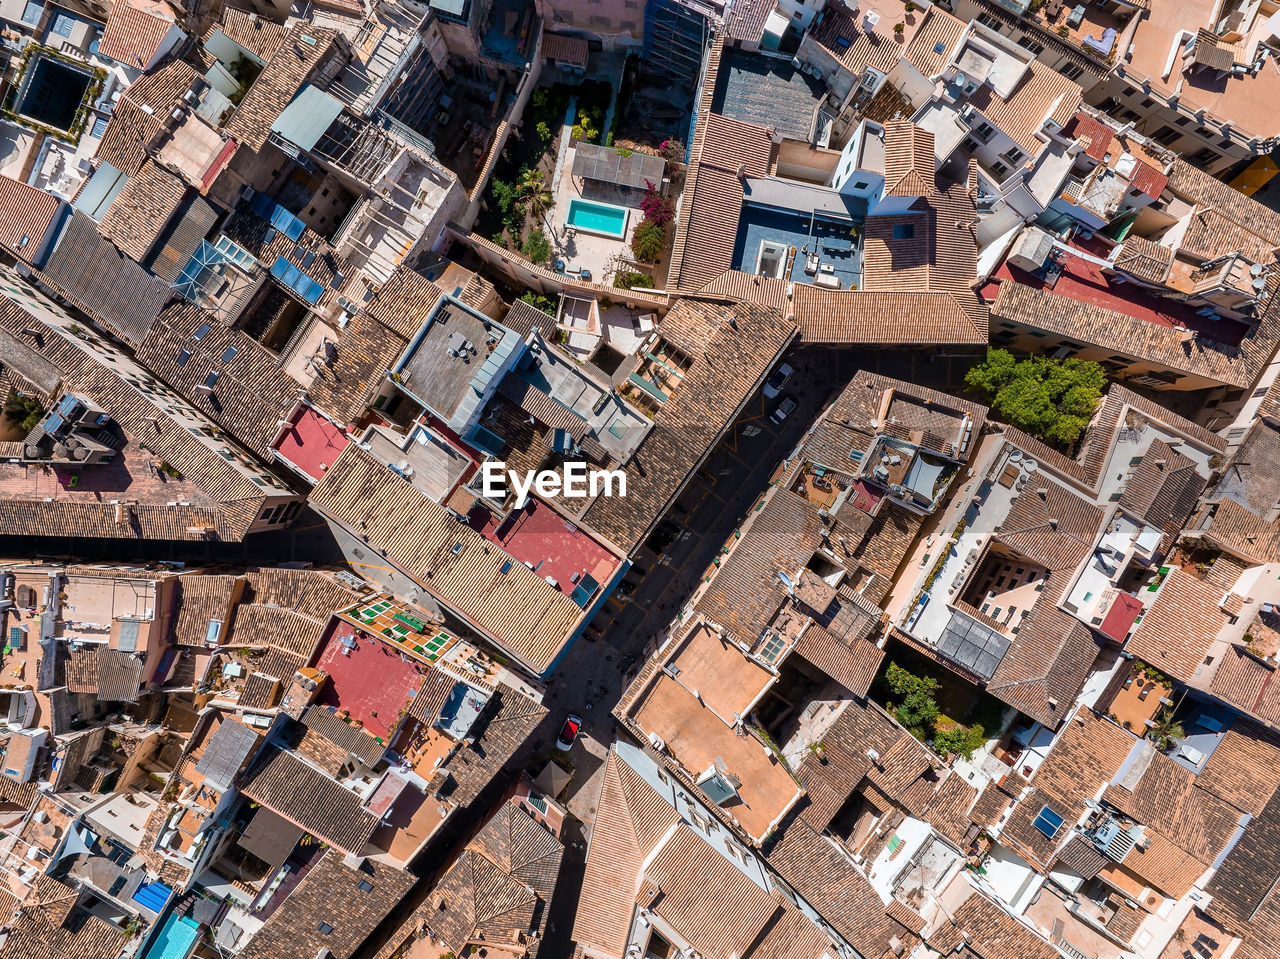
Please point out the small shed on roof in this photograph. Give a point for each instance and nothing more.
(306, 118)
(607, 165)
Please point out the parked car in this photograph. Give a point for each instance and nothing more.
(774, 384)
(785, 409)
(572, 726)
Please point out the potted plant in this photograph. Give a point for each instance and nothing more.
(899, 29)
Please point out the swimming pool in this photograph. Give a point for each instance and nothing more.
(604, 219)
(175, 940)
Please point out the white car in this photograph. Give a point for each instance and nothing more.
(785, 409)
(774, 384)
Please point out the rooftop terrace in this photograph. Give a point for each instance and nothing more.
(311, 442)
(368, 679)
(812, 248)
(552, 546)
(767, 91)
(1084, 282)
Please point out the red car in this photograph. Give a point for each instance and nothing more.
(572, 726)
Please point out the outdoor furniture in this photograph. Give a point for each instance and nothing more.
(1076, 16)
(1052, 9)
(1103, 46)
(827, 281)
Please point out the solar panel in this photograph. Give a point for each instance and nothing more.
(973, 645)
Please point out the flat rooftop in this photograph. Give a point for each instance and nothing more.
(698, 740)
(766, 231)
(767, 91)
(728, 682)
(423, 458)
(557, 549)
(311, 443)
(453, 358)
(1083, 282)
(368, 678)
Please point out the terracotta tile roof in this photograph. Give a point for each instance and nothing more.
(1164, 865)
(1242, 533)
(730, 361)
(96, 278)
(175, 245)
(1247, 683)
(527, 616)
(129, 134)
(260, 691)
(1145, 259)
(1085, 757)
(745, 593)
(794, 936)
(1180, 626)
(832, 777)
(25, 211)
(160, 88)
(133, 34)
(53, 926)
(846, 317)
(1199, 187)
(910, 165)
(1081, 857)
(1164, 489)
(259, 36)
(1211, 233)
(506, 727)
(502, 884)
(299, 792)
(563, 48)
(705, 897)
(252, 393)
(1057, 529)
(853, 665)
(331, 895)
(407, 300)
(822, 874)
(713, 192)
(995, 933)
(937, 27)
(1168, 347)
(294, 63)
(228, 501)
(311, 592)
(1046, 666)
(142, 210)
(841, 35)
(1167, 799)
(631, 820)
(278, 626)
(1043, 92)
(344, 387)
(198, 599)
(1248, 875)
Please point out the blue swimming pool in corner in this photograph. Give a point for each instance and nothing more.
(602, 218)
(175, 939)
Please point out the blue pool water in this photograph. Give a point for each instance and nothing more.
(598, 218)
(175, 939)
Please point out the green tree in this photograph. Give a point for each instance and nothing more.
(24, 411)
(584, 129)
(544, 131)
(537, 247)
(506, 195)
(627, 280)
(648, 241)
(916, 707)
(543, 303)
(1166, 731)
(961, 740)
(1051, 399)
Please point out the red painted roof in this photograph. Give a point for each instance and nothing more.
(1084, 282)
(312, 443)
(1121, 617)
(373, 682)
(555, 546)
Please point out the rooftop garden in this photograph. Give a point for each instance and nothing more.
(53, 93)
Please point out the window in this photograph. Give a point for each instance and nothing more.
(999, 169)
(1028, 44)
(364, 885)
(984, 131)
(211, 380)
(1182, 121)
(904, 231)
(63, 24)
(1013, 155)
(1071, 71)
(201, 331)
(183, 356)
(1048, 822)
(1128, 116)
(1166, 135)
(325, 928)
(1202, 157)
(860, 184)
(1146, 104)
(31, 12)
(987, 20)
(99, 128)
(229, 354)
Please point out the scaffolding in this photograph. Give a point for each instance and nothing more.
(676, 35)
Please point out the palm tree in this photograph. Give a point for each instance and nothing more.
(1165, 730)
(540, 201)
(531, 181)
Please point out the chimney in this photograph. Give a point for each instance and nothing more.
(1053, 521)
